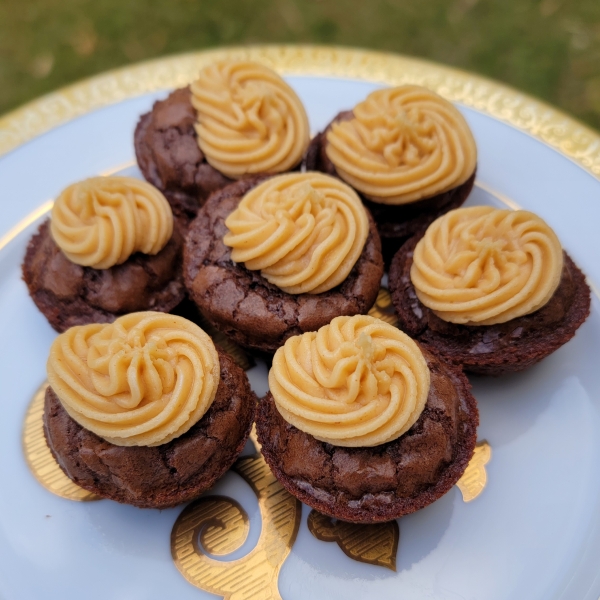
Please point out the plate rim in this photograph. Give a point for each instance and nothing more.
(570, 137)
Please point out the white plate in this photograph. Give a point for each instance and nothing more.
(533, 533)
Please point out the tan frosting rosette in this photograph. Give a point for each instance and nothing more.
(482, 266)
(140, 381)
(303, 231)
(403, 144)
(356, 382)
(100, 222)
(249, 119)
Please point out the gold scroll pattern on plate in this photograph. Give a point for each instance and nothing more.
(474, 479)
(372, 544)
(217, 525)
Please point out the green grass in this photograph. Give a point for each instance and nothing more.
(549, 48)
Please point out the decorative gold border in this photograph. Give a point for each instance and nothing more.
(573, 139)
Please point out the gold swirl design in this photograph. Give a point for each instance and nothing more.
(218, 526)
(482, 265)
(303, 231)
(100, 222)
(403, 144)
(356, 382)
(375, 544)
(39, 457)
(140, 381)
(474, 479)
(249, 119)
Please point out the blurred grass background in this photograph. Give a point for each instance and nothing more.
(549, 48)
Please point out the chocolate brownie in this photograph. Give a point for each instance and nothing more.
(396, 223)
(69, 294)
(381, 483)
(158, 476)
(492, 349)
(245, 306)
(169, 156)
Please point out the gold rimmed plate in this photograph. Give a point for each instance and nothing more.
(525, 521)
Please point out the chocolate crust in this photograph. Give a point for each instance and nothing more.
(244, 305)
(159, 476)
(492, 349)
(169, 157)
(68, 294)
(371, 485)
(395, 223)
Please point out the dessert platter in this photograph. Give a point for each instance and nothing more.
(293, 321)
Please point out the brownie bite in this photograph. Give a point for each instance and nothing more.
(69, 293)
(381, 482)
(237, 119)
(402, 181)
(158, 475)
(244, 304)
(497, 348)
(170, 158)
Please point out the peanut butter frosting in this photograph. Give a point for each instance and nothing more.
(100, 222)
(403, 144)
(356, 382)
(303, 231)
(249, 119)
(483, 266)
(140, 381)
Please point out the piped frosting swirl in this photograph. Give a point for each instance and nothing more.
(356, 382)
(403, 144)
(249, 119)
(483, 266)
(303, 231)
(100, 222)
(143, 380)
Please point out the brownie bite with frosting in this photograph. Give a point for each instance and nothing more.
(269, 258)
(111, 246)
(362, 424)
(407, 151)
(146, 410)
(489, 289)
(239, 118)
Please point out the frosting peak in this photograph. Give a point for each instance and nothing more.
(482, 266)
(403, 144)
(100, 222)
(143, 380)
(249, 119)
(356, 382)
(303, 231)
